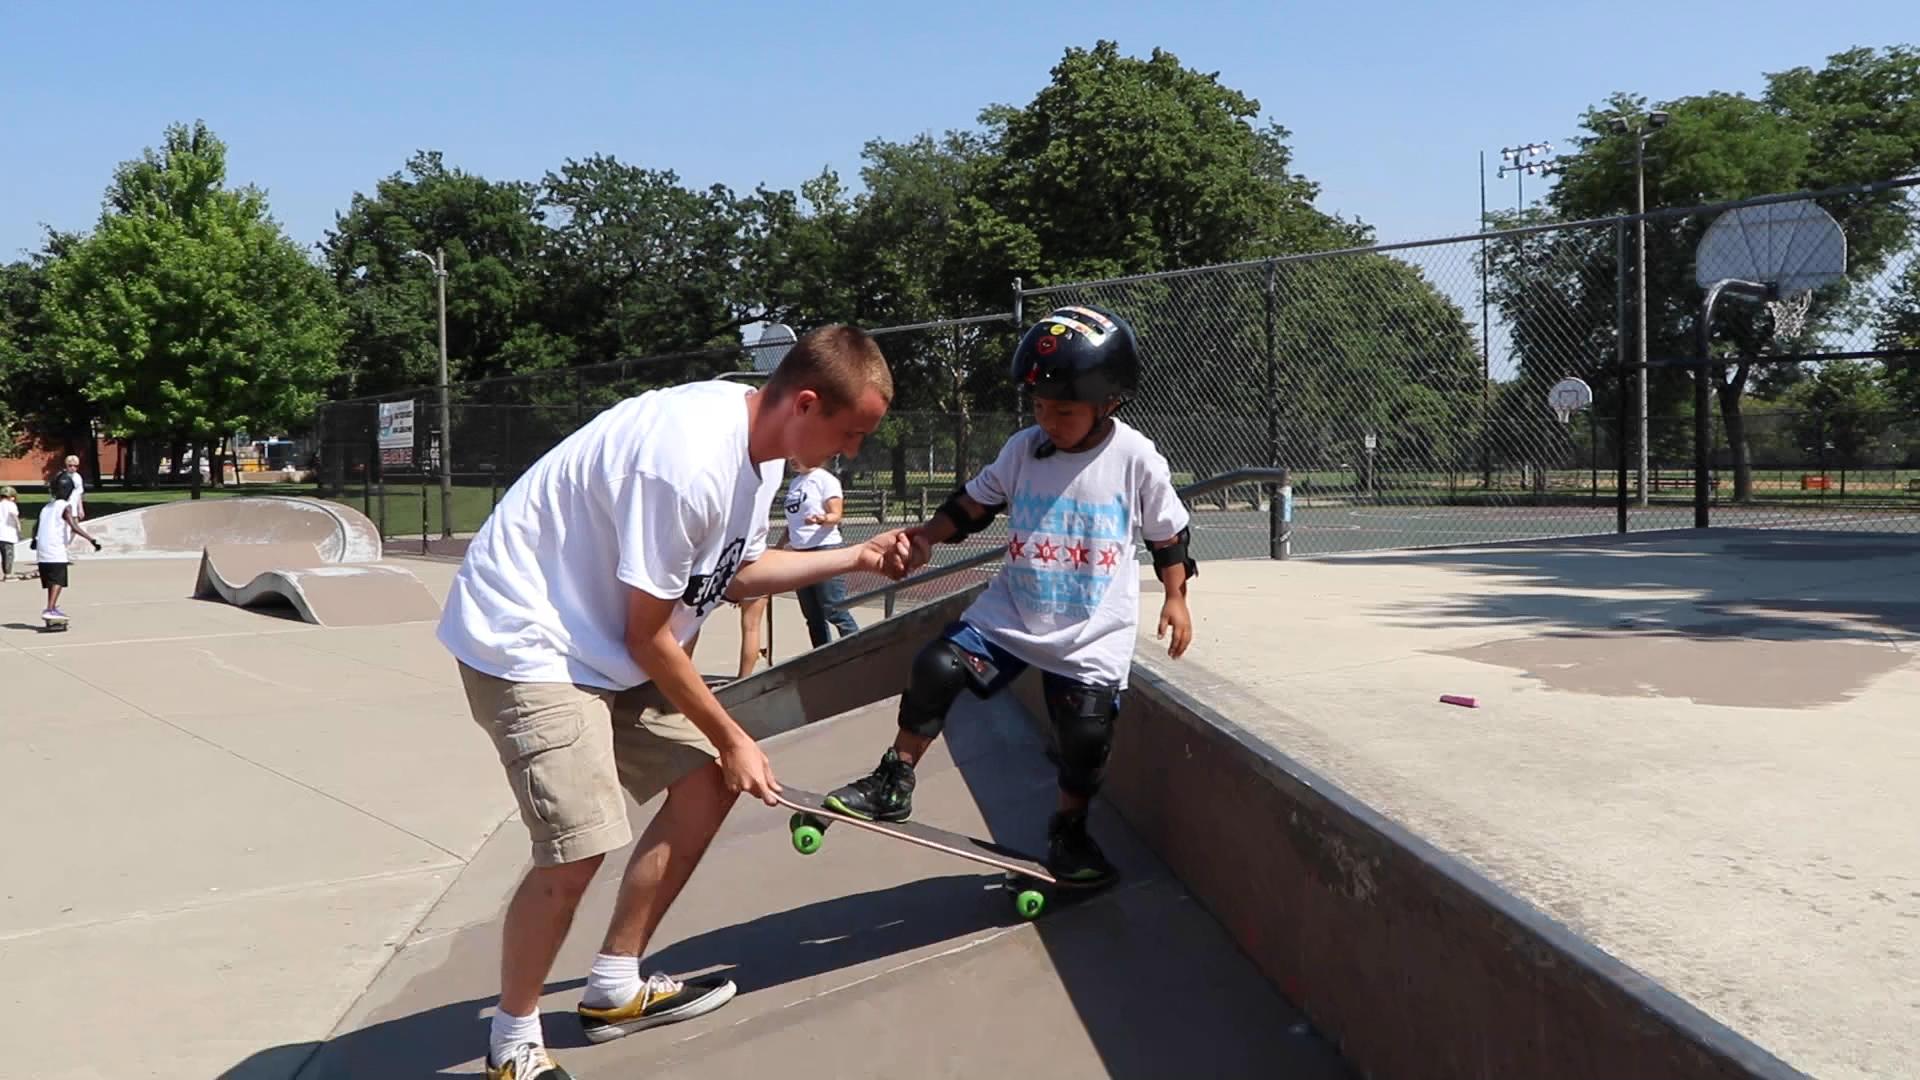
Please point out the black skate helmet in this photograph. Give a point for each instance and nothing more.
(1079, 353)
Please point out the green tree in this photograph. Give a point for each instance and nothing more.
(638, 265)
(1841, 412)
(492, 237)
(1128, 166)
(39, 397)
(187, 314)
(1899, 328)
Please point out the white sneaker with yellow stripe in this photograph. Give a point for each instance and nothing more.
(528, 1061)
(661, 1000)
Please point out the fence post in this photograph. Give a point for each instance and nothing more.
(1278, 523)
(1620, 355)
(1018, 297)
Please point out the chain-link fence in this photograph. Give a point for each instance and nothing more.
(384, 454)
(1405, 387)
(1381, 379)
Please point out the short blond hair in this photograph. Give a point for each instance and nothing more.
(839, 362)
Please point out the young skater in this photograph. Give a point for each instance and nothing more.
(1075, 488)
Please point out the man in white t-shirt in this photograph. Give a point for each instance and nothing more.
(815, 506)
(1075, 488)
(571, 617)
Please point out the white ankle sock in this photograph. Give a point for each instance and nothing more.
(510, 1031)
(613, 981)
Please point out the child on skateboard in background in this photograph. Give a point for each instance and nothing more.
(1075, 487)
(51, 535)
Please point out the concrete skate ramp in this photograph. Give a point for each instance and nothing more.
(1411, 962)
(320, 591)
(1268, 924)
(183, 529)
(869, 958)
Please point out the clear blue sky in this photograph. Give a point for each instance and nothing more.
(1388, 108)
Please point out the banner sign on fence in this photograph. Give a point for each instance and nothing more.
(396, 433)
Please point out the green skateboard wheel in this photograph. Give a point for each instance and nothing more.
(1029, 903)
(806, 839)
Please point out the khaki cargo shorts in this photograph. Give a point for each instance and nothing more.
(569, 750)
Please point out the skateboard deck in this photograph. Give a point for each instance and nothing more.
(1026, 876)
(54, 626)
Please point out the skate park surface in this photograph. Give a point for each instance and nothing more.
(321, 559)
(1673, 837)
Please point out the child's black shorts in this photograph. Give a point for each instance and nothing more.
(53, 573)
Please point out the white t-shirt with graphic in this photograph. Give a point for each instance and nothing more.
(1068, 597)
(9, 522)
(52, 534)
(806, 496)
(656, 492)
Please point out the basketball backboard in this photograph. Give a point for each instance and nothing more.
(1568, 396)
(1795, 246)
(774, 342)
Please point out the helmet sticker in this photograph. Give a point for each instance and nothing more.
(1062, 324)
(1107, 325)
(1046, 345)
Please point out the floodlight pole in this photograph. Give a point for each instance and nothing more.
(1516, 156)
(438, 260)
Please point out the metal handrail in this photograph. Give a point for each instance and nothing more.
(1198, 487)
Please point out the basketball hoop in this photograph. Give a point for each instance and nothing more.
(1795, 247)
(1569, 396)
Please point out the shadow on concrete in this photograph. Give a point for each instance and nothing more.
(1802, 585)
(767, 951)
(1158, 985)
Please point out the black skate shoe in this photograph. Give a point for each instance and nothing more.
(886, 794)
(1073, 857)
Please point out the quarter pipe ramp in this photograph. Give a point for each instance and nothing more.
(180, 530)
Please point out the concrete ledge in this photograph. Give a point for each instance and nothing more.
(1411, 963)
(842, 675)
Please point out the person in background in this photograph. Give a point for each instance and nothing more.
(815, 506)
(72, 472)
(753, 615)
(9, 529)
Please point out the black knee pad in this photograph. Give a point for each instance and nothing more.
(940, 672)
(1083, 735)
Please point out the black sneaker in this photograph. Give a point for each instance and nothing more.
(1072, 856)
(885, 794)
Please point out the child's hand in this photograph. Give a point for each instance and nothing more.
(1174, 613)
(920, 549)
(887, 554)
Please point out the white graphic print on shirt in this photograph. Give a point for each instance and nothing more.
(1067, 599)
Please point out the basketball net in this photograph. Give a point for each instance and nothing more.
(1790, 314)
